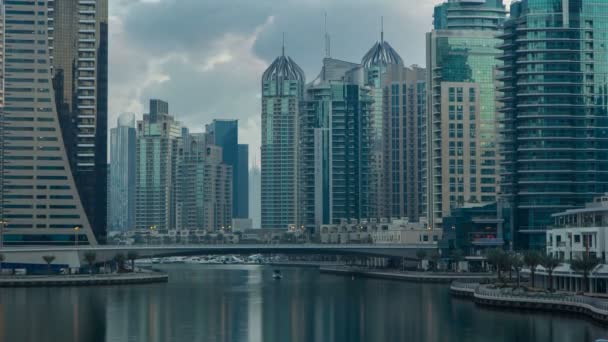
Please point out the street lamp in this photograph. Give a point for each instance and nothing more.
(76, 229)
(3, 224)
(152, 228)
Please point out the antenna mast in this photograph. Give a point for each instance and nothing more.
(327, 40)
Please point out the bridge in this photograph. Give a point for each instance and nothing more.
(74, 256)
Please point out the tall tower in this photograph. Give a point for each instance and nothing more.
(122, 174)
(282, 91)
(78, 46)
(40, 201)
(462, 53)
(158, 139)
(554, 116)
(396, 141)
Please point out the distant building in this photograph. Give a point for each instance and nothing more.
(383, 231)
(282, 91)
(122, 174)
(255, 196)
(224, 133)
(158, 139)
(203, 189)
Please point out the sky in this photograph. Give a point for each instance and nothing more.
(206, 57)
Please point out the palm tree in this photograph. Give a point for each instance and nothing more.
(90, 258)
(517, 263)
(420, 255)
(119, 259)
(532, 259)
(2, 258)
(132, 255)
(550, 263)
(457, 256)
(49, 260)
(584, 265)
(499, 259)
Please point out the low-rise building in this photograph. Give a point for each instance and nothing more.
(383, 231)
(580, 231)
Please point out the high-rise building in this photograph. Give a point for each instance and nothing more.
(122, 174)
(334, 136)
(397, 119)
(255, 193)
(40, 201)
(204, 185)
(78, 45)
(554, 116)
(225, 134)
(462, 55)
(158, 139)
(282, 91)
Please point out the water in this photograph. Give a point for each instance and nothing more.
(244, 303)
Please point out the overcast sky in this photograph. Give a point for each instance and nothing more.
(206, 57)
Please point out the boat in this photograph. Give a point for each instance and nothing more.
(277, 274)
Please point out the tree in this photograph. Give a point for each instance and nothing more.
(457, 256)
(132, 255)
(498, 259)
(49, 260)
(2, 258)
(90, 258)
(517, 263)
(584, 265)
(119, 259)
(532, 259)
(550, 263)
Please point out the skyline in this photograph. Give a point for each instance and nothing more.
(147, 60)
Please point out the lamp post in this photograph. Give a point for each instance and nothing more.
(76, 229)
(152, 229)
(3, 224)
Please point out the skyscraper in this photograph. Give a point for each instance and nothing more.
(40, 201)
(334, 136)
(282, 91)
(255, 193)
(225, 134)
(122, 174)
(203, 185)
(158, 139)
(396, 124)
(78, 45)
(461, 59)
(554, 116)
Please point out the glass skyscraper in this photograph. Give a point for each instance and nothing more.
(78, 45)
(282, 91)
(40, 201)
(462, 55)
(122, 174)
(555, 112)
(225, 134)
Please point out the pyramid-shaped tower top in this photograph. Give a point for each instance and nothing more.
(283, 68)
(382, 53)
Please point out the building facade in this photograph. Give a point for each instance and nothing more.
(554, 116)
(461, 59)
(40, 204)
(158, 139)
(122, 174)
(255, 193)
(282, 91)
(225, 134)
(204, 185)
(78, 47)
(334, 153)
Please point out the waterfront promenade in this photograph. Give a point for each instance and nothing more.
(423, 277)
(84, 280)
(553, 302)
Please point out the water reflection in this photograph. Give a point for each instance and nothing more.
(232, 303)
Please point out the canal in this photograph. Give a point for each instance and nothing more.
(244, 303)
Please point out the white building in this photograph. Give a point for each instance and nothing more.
(579, 231)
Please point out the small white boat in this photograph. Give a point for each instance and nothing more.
(277, 274)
